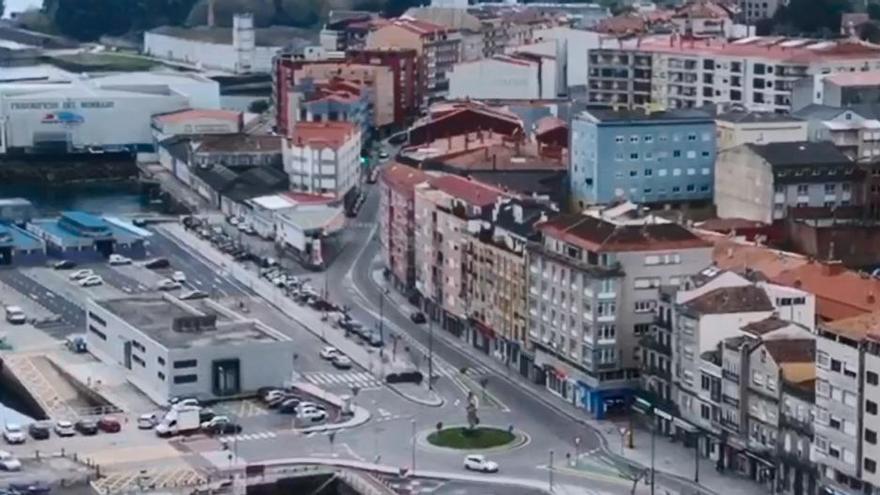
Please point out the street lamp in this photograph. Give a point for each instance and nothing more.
(644, 407)
(382, 295)
(550, 471)
(430, 354)
(413, 446)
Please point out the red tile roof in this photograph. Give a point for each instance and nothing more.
(402, 178)
(468, 190)
(190, 114)
(595, 234)
(322, 134)
(547, 124)
(418, 26)
(840, 293)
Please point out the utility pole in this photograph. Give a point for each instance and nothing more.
(430, 354)
(696, 458)
(550, 471)
(413, 445)
(653, 436)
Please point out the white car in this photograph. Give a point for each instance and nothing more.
(178, 277)
(216, 420)
(147, 421)
(480, 463)
(341, 361)
(64, 428)
(313, 415)
(91, 281)
(234, 221)
(118, 259)
(13, 433)
(167, 284)
(329, 352)
(188, 402)
(81, 274)
(8, 462)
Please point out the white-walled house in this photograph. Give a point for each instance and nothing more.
(323, 158)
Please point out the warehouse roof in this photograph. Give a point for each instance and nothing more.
(280, 36)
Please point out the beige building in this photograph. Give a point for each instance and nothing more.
(471, 29)
(397, 221)
(438, 49)
(380, 80)
(740, 127)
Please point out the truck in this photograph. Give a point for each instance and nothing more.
(179, 421)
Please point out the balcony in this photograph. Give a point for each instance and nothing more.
(653, 343)
(731, 401)
(729, 375)
(798, 425)
(800, 462)
(653, 370)
(665, 405)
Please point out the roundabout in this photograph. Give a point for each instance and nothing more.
(477, 438)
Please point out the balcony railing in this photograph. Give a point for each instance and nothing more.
(657, 371)
(801, 426)
(652, 342)
(729, 375)
(732, 401)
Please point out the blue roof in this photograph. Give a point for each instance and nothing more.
(20, 238)
(51, 227)
(86, 220)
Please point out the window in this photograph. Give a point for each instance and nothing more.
(822, 359)
(691, 154)
(160, 375)
(835, 365)
(676, 153)
(646, 283)
(101, 335)
(803, 189)
(618, 139)
(871, 377)
(607, 332)
(137, 345)
(692, 137)
(758, 378)
(178, 379)
(691, 171)
(160, 360)
(186, 363)
(661, 172)
(871, 436)
(870, 465)
(644, 306)
(830, 188)
(633, 156)
(871, 407)
(649, 172)
(676, 172)
(634, 139)
(97, 319)
(640, 329)
(648, 139)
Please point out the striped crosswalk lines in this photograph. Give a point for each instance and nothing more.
(243, 437)
(362, 379)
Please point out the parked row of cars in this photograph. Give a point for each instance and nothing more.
(220, 239)
(15, 434)
(370, 336)
(287, 402)
(186, 416)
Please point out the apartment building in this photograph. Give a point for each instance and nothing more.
(397, 225)
(761, 182)
(515, 77)
(645, 157)
(324, 158)
(403, 63)
(437, 47)
(845, 89)
(593, 287)
(738, 127)
(756, 10)
(855, 133)
(447, 211)
(334, 100)
(758, 73)
(495, 278)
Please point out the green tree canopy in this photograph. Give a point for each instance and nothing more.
(810, 17)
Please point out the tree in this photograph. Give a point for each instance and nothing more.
(874, 11)
(258, 106)
(812, 16)
(870, 32)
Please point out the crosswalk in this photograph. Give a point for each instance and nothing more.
(362, 379)
(247, 408)
(147, 479)
(244, 437)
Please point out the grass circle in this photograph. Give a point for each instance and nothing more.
(465, 438)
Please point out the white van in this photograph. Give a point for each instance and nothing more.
(15, 315)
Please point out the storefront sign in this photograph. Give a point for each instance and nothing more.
(60, 105)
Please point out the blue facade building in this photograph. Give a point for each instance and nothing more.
(650, 158)
(19, 247)
(333, 101)
(81, 236)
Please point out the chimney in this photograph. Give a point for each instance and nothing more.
(211, 19)
(832, 268)
(494, 162)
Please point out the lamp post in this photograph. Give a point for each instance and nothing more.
(550, 471)
(382, 295)
(413, 445)
(644, 407)
(430, 354)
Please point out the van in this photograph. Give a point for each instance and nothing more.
(15, 315)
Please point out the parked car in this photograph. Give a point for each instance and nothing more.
(341, 361)
(167, 284)
(86, 427)
(312, 415)
(147, 421)
(329, 352)
(13, 433)
(418, 317)
(15, 315)
(64, 428)
(64, 265)
(39, 431)
(118, 259)
(81, 274)
(109, 424)
(91, 281)
(193, 294)
(220, 425)
(30, 488)
(178, 277)
(181, 402)
(8, 462)
(374, 338)
(383, 155)
(475, 462)
(289, 406)
(276, 400)
(206, 414)
(266, 393)
(157, 264)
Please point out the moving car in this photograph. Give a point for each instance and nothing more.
(86, 427)
(64, 428)
(329, 352)
(179, 421)
(178, 277)
(475, 462)
(289, 406)
(383, 155)
(39, 431)
(91, 281)
(15, 315)
(31, 488)
(167, 284)
(147, 421)
(13, 433)
(221, 425)
(313, 415)
(341, 361)
(8, 462)
(118, 259)
(64, 265)
(417, 317)
(193, 294)
(81, 274)
(109, 424)
(157, 264)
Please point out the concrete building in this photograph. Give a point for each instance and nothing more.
(447, 210)
(173, 348)
(856, 135)
(660, 157)
(81, 236)
(334, 100)
(438, 49)
(761, 182)
(571, 45)
(16, 210)
(741, 127)
(397, 227)
(56, 110)
(347, 30)
(228, 188)
(757, 73)
(304, 231)
(458, 19)
(243, 49)
(838, 90)
(593, 288)
(495, 273)
(181, 154)
(513, 77)
(377, 79)
(18, 247)
(200, 122)
(324, 158)
(754, 10)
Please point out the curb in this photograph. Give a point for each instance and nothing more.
(352, 423)
(439, 402)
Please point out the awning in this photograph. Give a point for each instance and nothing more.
(484, 329)
(760, 459)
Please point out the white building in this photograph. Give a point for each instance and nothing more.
(740, 127)
(506, 77)
(323, 158)
(573, 45)
(168, 347)
(196, 121)
(242, 49)
(56, 109)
